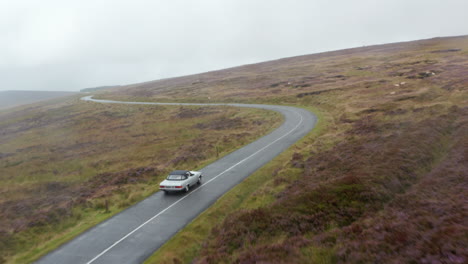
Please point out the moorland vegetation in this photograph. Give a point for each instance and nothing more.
(383, 178)
(66, 165)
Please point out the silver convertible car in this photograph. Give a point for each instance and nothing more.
(180, 180)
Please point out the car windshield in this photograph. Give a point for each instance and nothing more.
(176, 177)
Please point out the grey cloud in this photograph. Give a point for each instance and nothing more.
(68, 45)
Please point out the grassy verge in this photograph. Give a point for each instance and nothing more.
(71, 229)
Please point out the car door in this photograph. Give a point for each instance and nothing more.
(193, 179)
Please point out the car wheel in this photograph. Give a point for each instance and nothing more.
(165, 191)
(199, 180)
(187, 188)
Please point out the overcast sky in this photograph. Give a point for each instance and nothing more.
(69, 45)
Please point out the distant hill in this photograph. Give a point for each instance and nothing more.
(15, 98)
(298, 76)
(93, 89)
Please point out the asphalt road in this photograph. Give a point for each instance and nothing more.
(134, 234)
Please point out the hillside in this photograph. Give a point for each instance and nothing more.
(10, 99)
(67, 164)
(293, 77)
(383, 179)
(100, 88)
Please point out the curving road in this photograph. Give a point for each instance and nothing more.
(134, 234)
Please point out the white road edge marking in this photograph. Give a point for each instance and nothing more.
(176, 202)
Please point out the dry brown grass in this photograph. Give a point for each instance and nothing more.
(386, 181)
(365, 197)
(65, 162)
